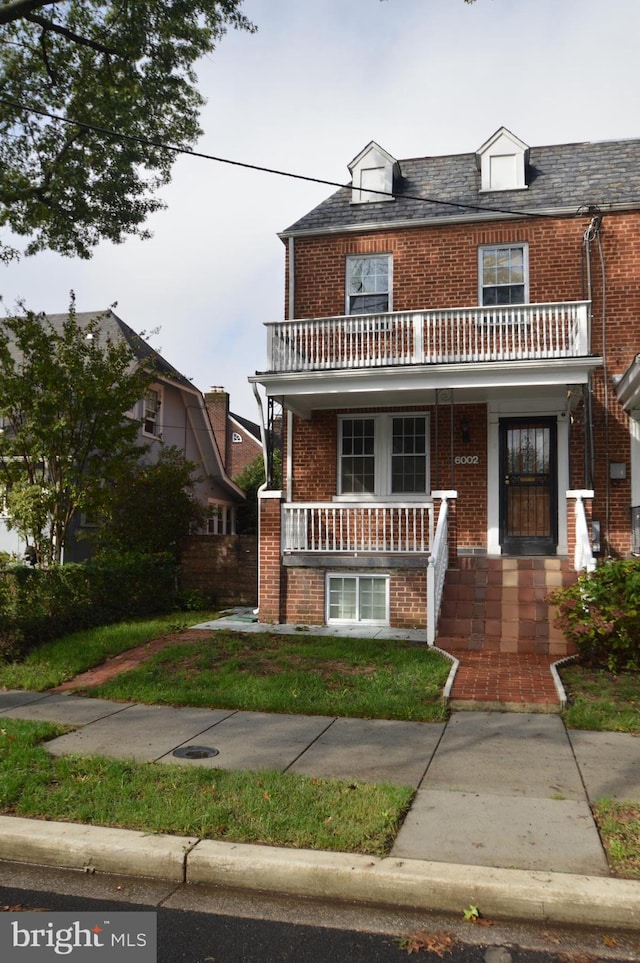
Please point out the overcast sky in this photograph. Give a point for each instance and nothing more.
(305, 94)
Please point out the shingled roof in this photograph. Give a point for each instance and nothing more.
(115, 329)
(561, 179)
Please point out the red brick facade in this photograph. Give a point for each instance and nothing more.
(436, 266)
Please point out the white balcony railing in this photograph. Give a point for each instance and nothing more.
(325, 527)
(520, 332)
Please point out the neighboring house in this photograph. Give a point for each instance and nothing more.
(172, 413)
(458, 376)
(238, 439)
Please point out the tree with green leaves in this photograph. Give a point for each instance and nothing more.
(100, 65)
(151, 508)
(65, 391)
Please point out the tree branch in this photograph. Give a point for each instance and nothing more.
(17, 9)
(69, 34)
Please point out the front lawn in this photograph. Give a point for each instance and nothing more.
(602, 700)
(52, 663)
(271, 808)
(269, 672)
(619, 826)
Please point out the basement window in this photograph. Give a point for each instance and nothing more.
(357, 598)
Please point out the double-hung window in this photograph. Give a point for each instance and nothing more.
(369, 284)
(385, 455)
(503, 274)
(151, 412)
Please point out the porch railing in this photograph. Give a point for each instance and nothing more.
(324, 527)
(437, 564)
(520, 332)
(583, 557)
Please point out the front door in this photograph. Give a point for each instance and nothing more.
(529, 486)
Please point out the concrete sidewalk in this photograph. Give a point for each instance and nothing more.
(501, 816)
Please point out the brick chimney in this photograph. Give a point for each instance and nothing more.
(217, 404)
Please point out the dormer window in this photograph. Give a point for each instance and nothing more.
(372, 175)
(502, 162)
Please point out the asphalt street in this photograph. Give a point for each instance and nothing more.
(233, 929)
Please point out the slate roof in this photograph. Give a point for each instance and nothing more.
(562, 178)
(114, 328)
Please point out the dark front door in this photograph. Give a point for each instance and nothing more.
(529, 486)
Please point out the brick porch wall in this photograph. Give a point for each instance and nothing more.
(305, 596)
(270, 587)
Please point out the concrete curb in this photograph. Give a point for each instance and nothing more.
(399, 883)
(455, 664)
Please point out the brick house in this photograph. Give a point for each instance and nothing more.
(460, 391)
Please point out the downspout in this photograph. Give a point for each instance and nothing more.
(291, 305)
(291, 313)
(289, 457)
(263, 436)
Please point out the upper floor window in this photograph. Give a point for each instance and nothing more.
(236, 437)
(384, 455)
(369, 284)
(503, 272)
(151, 412)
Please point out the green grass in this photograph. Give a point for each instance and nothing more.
(307, 674)
(50, 664)
(619, 825)
(250, 807)
(602, 700)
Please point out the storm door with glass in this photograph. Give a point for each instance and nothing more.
(529, 488)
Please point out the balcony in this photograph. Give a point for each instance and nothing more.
(509, 333)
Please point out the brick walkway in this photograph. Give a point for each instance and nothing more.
(129, 659)
(505, 680)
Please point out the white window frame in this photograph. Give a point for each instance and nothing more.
(382, 441)
(358, 620)
(236, 437)
(151, 416)
(482, 250)
(351, 259)
(221, 519)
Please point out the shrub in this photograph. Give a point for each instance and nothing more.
(37, 605)
(600, 614)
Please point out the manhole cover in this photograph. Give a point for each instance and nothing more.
(195, 752)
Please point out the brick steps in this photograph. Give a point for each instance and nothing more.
(499, 605)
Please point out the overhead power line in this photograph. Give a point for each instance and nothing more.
(148, 142)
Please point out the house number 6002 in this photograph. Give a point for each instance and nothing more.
(466, 459)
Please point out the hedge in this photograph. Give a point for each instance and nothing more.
(37, 605)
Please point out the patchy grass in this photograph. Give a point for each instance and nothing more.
(250, 807)
(619, 825)
(602, 700)
(268, 672)
(50, 664)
